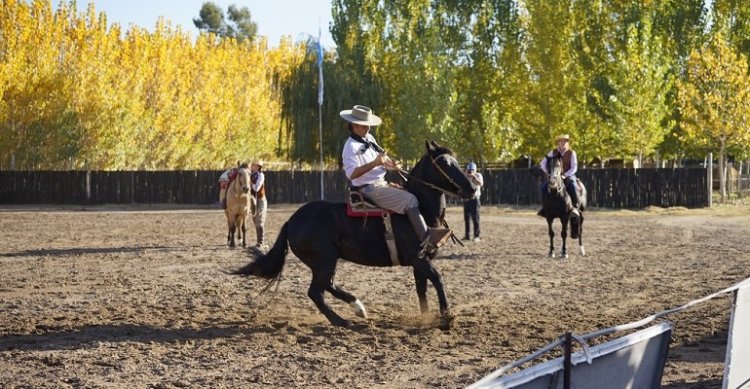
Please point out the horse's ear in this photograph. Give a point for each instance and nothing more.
(429, 145)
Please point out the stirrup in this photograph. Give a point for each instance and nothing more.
(438, 236)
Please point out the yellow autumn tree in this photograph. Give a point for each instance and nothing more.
(76, 92)
(714, 100)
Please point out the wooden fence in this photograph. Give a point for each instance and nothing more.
(608, 188)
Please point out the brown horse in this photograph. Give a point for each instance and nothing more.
(238, 206)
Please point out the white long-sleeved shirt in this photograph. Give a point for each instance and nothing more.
(355, 154)
(259, 182)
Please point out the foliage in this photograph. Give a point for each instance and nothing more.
(493, 79)
(77, 94)
(240, 25)
(715, 100)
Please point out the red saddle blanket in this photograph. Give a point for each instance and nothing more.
(365, 212)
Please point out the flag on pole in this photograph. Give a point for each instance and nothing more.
(320, 69)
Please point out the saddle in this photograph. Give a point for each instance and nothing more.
(359, 206)
(232, 175)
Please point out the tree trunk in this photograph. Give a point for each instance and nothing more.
(722, 175)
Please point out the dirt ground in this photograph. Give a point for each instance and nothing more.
(135, 297)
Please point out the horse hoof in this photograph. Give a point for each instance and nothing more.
(583, 252)
(551, 255)
(446, 320)
(564, 256)
(359, 309)
(342, 323)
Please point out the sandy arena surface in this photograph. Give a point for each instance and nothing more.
(134, 297)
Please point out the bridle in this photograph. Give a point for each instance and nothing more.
(404, 174)
(554, 178)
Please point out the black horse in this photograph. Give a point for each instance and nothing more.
(320, 232)
(556, 204)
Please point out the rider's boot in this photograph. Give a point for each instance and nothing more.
(431, 238)
(541, 213)
(574, 201)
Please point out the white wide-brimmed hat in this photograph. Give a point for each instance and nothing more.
(361, 115)
(563, 136)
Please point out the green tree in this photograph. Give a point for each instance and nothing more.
(641, 81)
(239, 25)
(714, 100)
(557, 90)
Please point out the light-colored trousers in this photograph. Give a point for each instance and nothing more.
(394, 199)
(259, 213)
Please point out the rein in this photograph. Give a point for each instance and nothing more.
(404, 174)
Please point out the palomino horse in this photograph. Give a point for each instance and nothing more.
(238, 206)
(320, 232)
(556, 204)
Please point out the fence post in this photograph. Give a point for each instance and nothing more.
(88, 186)
(567, 366)
(710, 179)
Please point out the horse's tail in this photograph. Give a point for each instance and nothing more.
(270, 264)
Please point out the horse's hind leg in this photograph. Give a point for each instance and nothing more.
(421, 283)
(347, 297)
(580, 236)
(322, 277)
(425, 268)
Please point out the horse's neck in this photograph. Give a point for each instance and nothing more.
(429, 199)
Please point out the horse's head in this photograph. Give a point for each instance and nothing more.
(440, 170)
(554, 176)
(243, 180)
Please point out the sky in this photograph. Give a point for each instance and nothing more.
(275, 18)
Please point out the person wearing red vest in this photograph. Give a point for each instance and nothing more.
(570, 168)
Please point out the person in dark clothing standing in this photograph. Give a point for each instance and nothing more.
(471, 206)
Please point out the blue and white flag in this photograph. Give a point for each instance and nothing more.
(320, 70)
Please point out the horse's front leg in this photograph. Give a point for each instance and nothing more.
(243, 227)
(230, 238)
(421, 283)
(564, 234)
(551, 253)
(425, 269)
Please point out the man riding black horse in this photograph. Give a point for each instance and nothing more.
(365, 164)
(570, 167)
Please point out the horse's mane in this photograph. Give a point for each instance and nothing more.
(443, 150)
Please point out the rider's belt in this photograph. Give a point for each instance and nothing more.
(357, 188)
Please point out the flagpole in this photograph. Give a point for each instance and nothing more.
(320, 136)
